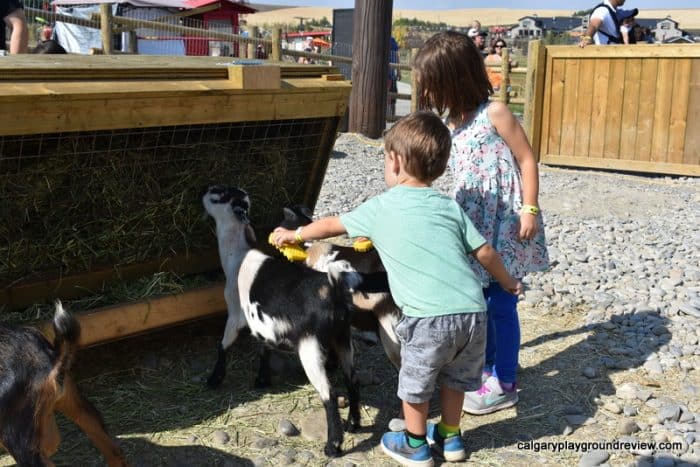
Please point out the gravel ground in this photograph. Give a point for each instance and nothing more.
(609, 353)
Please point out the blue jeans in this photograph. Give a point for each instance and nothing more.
(502, 333)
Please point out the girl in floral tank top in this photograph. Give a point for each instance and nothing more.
(497, 185)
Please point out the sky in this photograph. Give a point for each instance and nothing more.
(520, 4)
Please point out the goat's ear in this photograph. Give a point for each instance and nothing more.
(306, 211)
(250, 235)
(289, 215)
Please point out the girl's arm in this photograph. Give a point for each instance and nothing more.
(322, 228)
(514, 136)
(491, 261)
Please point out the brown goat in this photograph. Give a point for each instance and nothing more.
(34, 383)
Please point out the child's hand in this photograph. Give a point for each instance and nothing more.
(514, 286)
(528, 226)
(283, 236)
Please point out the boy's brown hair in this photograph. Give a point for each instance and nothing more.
(450, 74)
(423, 141)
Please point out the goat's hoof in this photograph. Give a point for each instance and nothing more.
(332, 451)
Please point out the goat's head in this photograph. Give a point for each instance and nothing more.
(296, 216)
(224, 203)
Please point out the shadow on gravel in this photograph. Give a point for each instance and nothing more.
(555, 394)
(338, 155)
(154, 455)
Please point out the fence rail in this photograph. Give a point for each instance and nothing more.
(238, 45)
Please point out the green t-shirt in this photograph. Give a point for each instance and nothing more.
(423, 239)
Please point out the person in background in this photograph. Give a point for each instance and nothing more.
(496, 182)
(627, 24)
(479, 39)
(474, 29)
(603, 25)
(12, 15)
(495, 58)
(393, 77)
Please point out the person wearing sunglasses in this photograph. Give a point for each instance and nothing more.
(495, 58)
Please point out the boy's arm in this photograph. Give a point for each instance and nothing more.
(491, 261)
(322, 228)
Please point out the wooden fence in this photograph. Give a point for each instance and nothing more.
(633, 108)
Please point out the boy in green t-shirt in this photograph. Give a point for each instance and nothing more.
(423, 239)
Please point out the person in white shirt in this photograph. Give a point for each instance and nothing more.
(603, 26)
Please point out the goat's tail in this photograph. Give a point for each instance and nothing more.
(66, 334)
(344, 280)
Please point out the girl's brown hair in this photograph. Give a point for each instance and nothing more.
(450, 75)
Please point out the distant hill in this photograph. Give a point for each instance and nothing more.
(688, 18)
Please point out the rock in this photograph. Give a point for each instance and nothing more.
(589, 372)
(342, 402)
(627, 427)
(669, 412)
(629, 410)
(567, 430)
(221, 437)
(644, 395)
(593, 458)
(397, 424)
(192, 439)
(287, 428)
(577, 419)
(264, 443)
(663, 461)
(314, 426)
(627, 392)
(612, 407)
(653, 367)
(572, 410)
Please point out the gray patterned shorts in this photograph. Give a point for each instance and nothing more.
(447, 350)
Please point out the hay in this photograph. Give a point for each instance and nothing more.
(156, 285)
(71, 203)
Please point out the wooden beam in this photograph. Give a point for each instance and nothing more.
(106, 27)
(108, 105)
(128, 319)
(622, 164)
(370, 56)
(534, 92)
(276, 54)
(638, 51)
(79, 285)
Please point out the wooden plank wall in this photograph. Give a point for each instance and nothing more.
(631, 108)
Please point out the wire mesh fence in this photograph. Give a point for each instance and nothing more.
(86, 200)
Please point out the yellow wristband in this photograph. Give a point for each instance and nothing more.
(530, 209)
(297, 235)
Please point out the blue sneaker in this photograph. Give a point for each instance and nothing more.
(395, 445)
(451, 448)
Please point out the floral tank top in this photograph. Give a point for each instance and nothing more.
(488, 187)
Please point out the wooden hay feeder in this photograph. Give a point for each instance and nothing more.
(103, 161)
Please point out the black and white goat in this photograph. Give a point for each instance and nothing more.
(287, 306)
(375, 310)
(34, 382)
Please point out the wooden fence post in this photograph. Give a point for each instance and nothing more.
(534, 93)
(370, 71)
(251, 50)
(505, 75)
(276, 44)
(106, 27)
(414, 88)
